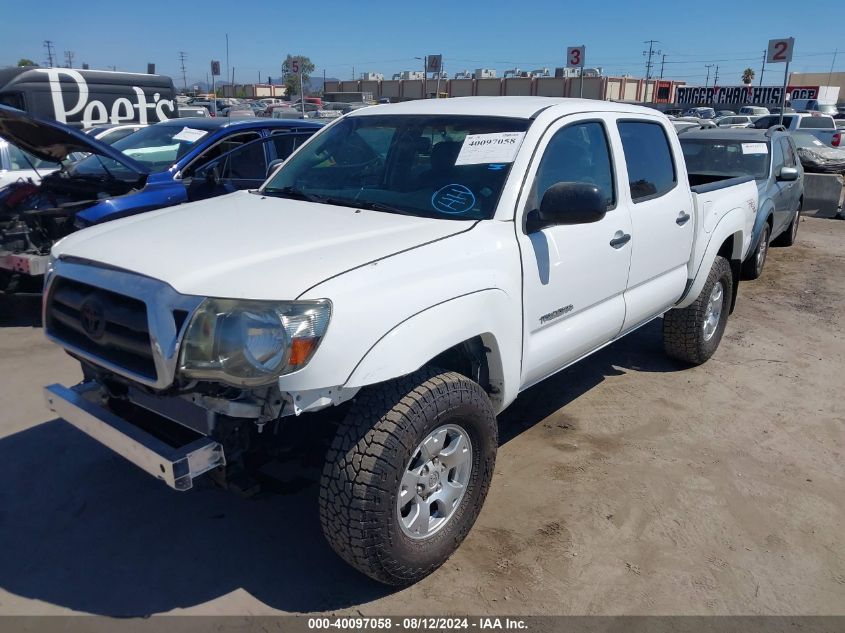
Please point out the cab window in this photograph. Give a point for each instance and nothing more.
(648, 156)
(577, 153)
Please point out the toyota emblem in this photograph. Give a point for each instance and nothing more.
(93, 319)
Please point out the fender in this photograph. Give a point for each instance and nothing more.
(490, 313)
(156, 194)
(768, 210)
(732, 223)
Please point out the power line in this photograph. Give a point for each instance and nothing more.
(69, 55)
(48, 44)
(651, 52)
(182, 57)
(708, 67)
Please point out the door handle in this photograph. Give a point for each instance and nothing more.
(620, 239)
(682, 218)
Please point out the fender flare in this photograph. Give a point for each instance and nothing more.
(767, 211)
(490, 314)
(730, 225)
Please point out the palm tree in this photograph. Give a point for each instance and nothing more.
(748, 76)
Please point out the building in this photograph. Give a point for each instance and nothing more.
(372, 77)
(484, 73)
(831, 80)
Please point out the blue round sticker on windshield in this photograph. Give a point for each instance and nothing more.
(453, 199)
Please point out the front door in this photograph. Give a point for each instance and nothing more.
(574, 275)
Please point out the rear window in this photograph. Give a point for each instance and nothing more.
(651, 170)
(765, 122)
(816, 123)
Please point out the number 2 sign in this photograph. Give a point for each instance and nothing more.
(575, 56)
(780, 50)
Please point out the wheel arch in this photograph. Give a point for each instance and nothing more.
(727, 240)
(476, 335)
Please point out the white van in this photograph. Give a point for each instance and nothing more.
(753, 111)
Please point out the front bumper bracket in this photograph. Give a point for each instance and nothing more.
(176, 466)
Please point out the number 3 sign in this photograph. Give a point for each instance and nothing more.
(575, 56)
(780, 50)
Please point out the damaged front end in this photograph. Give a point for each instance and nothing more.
(33, 217)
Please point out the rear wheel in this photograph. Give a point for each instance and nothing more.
(407, 474)
(692, 334)
(752, 267)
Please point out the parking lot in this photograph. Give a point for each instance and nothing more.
(624, 485)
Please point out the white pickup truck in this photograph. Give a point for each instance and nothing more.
(822, 126)
(404, 276)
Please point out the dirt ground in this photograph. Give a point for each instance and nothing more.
(624, 485)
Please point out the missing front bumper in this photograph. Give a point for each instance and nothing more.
(176, 466)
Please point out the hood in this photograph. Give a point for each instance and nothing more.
(54, 141)
(248, 246)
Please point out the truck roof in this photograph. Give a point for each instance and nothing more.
(516, 107)
(730, 134)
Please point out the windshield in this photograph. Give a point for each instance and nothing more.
(731, 159)
(450, 167)
(156, 147)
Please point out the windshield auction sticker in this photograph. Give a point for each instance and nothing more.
(189, 135)
(754, 148)
(499, 147)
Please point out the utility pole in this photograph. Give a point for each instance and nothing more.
(662, 62)
(48, 44)
(716, 77)
(353, 73)
(227, 58)
(69, 59)
(707, 81)
(182, 57)
(762, 69)
(648, 64)
(831, 66)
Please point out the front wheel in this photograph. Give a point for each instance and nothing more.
(787, 238)
(692, 334)
(407, 474)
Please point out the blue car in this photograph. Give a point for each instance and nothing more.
(165, 164)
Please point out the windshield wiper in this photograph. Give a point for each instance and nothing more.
(294, 193)
(380, 206)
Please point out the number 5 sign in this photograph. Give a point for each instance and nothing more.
(780, 51)
(294, 65)
(575, 56)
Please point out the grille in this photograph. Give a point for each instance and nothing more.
(102, 323)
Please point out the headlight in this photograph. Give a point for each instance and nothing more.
(249, 343)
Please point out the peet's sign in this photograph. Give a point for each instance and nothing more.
(74, 100)
(743, 95)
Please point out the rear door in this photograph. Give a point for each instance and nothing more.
(574, 276)
(791, 190)
(661, 217)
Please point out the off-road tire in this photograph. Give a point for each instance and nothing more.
(752, 268)
(369, 454)
(683, 333)
(787, 238)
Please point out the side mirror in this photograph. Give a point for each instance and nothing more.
(272, 166)
(568, 203)
(788, 174)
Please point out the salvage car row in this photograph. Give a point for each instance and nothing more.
(401, 276)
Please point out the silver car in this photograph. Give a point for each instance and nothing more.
(768, 156)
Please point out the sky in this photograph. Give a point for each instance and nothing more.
(353, 36)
